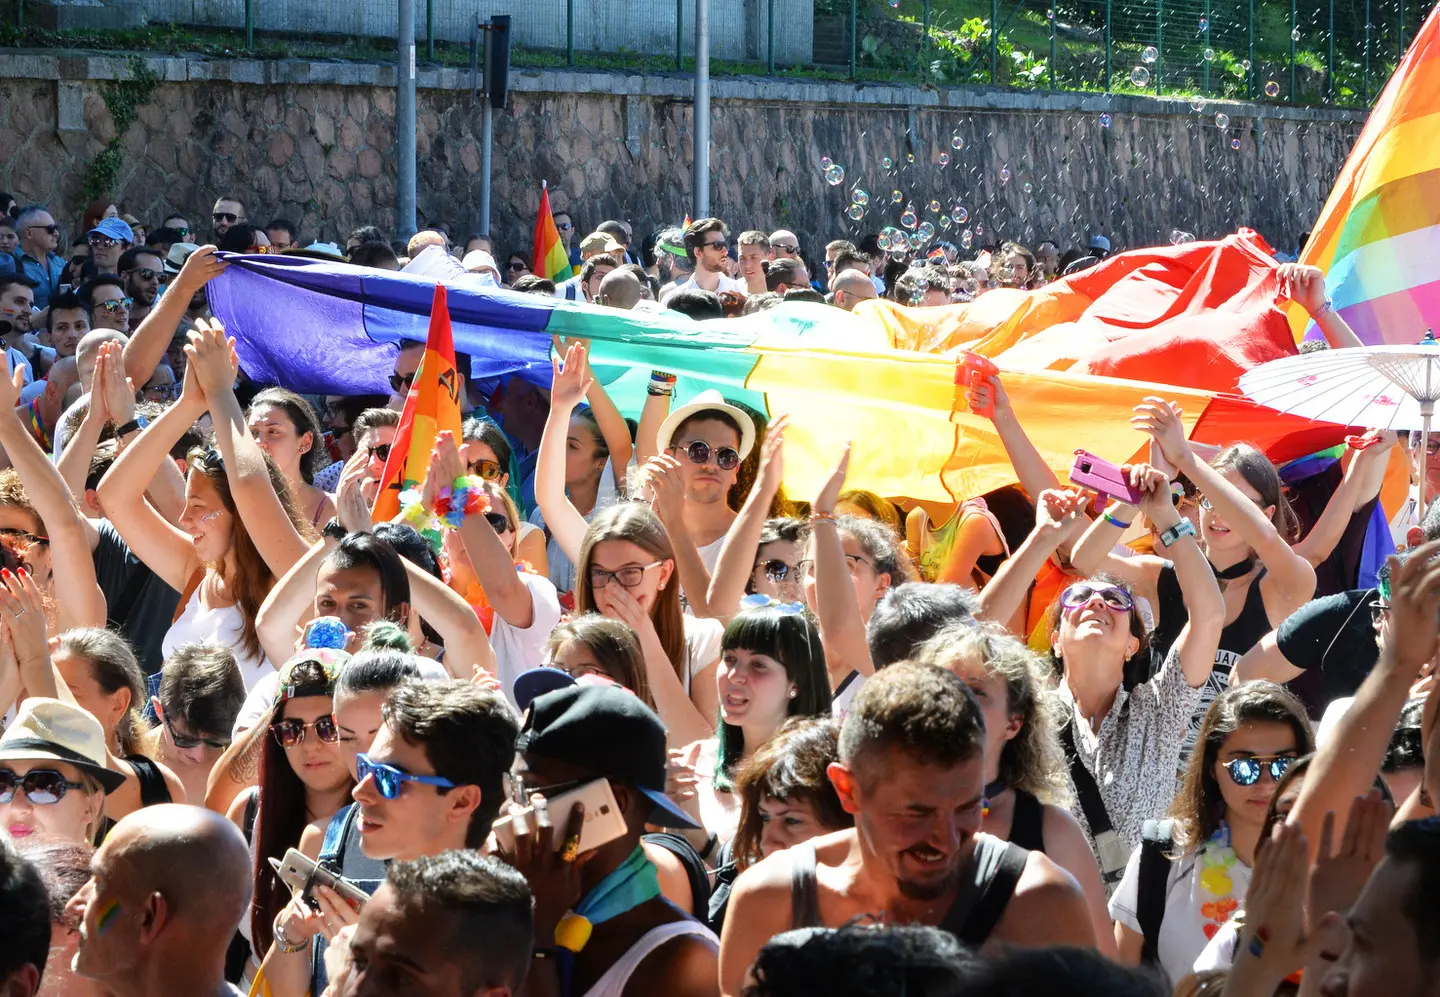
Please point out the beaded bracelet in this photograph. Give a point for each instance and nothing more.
(822, 517)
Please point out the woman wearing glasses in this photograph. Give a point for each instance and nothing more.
(238, 532)
(303, 782)
(286, 428)
(487, 453)
(1250, 736)
(53, 773)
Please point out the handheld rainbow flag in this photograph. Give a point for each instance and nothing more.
(432, 405)
(550, 259)
(1378, 237)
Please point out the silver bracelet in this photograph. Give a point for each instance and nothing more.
(284, 944)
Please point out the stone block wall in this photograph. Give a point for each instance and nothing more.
(315, 143)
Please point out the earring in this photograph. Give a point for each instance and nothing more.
(794, 693)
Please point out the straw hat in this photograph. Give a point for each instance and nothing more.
(49, 730)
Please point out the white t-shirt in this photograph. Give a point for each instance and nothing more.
(1183, 931)
(850, 688)
(518, 650)
(726, 284)
(259, 699)
(702, 645)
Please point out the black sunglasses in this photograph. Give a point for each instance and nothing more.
(722, 244)
(40, 786)
(185, 741)
(52, 229)
(26, 535)
(498, 521)
(400, 383)
(380, 450)
(291, 733)
(777, 571)
(224, 216)
(726, 458)
(517, 265)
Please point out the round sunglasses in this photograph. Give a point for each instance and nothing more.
(1081, 593)
(726, 458)
(291, 733)
(40, 786)
(1247, 771)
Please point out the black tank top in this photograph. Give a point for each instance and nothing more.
(153, 790)
(1239, 636)
(985, 889)
(1027, 824)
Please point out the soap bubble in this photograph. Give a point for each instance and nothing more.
(945, 223)
(956, 142)
(1234, 143)
(1150, 54)
(1245, 65)
(908, 219)
(1295, 35)
(896, 197)
(934, 207)
(926, 232)
(1028, 188)
(887, 163)
(909, 157)
(860, 196)
(1204, 24)
(944, 159)
(1209, 55)
(1050, 14)
(966, 239)
(915, 241)
(1239, 72)
(856, 211)
(1005, 173)
(959, 214)
(1272, 89)
(1222, 120)
(1104, 119)
(825, 163)
(835, 175)
(979, 230)
(1140, 76)
(889, 236)
(895, 3)
(1178, 237)
(1197, 105)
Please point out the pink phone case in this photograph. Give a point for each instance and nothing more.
(1103, 477)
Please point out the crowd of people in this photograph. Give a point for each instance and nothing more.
(605, 711)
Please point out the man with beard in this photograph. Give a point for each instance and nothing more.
(912, 758)
(143, 270)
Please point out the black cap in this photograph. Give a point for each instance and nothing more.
(608, 732)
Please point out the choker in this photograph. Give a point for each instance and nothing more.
(992, 790)
(1235, 570)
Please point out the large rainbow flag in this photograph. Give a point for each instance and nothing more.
(432, 405)
(1180, 321)
(1378, 237)
(550, 259)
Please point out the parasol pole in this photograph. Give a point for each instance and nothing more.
(1427, 409)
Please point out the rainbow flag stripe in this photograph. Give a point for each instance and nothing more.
(1378, 237)
(550, 259)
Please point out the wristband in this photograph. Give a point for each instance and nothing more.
(822, 517)
(661, 383)
(1109, 518)
(133, 426)
(333, 529)
(284, 944)
(1175, 534)
(1328, 306)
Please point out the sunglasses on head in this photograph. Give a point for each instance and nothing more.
(726, 458)
(389, 780)
(1112, 596)
(224, 216)
(1247, 771)
(380, 451)
(290, 733)
(488, 470)
(40, 786)
(116, 305)
(186, 741)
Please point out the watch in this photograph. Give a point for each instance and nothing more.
(1172, 536)
(333, 529)
(133, 426)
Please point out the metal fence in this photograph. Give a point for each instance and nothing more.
(1336, 52)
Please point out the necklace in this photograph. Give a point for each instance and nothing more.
(992, 790)
(1217, 858)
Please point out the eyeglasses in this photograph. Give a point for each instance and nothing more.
(223, 216)
(564, 226)
(389, 780)
(1247, 771)
(520, 793)
(1081, 593)
(162, 392)
(1432, 447)
(40, 786)
(380, 451)
(628, 576)
(498, 521)
(52, 229)
(291, 733)
(726, 458)
(1379, 611)
(186, 741)
(722, 244)
(776, 571)
(101, 241)
(852, 561)
(516, 265)
(115, 305)
(489, 470)
(400, 383)
(26, 535)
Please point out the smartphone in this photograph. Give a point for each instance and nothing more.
(66, 288)
(302, 874)
(603, 820)
(1103, 477)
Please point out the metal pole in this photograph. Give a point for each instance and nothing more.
(487, 132)
(679, 34)
(1367, 52)
(405, 121)
(1205, 85)
(1250, 52)
(994, 39)
(1052, 44)
(569, 32)
(429, 30)
(1330, 58)
(1107, 46)
(700, 155)
(1294, 27)
(770, 35)
(1159, 44)
(1400, 39)
(249, 25)
(925, 41)
(854, 28)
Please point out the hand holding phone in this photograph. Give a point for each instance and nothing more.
(603, 820)
(302, 874)
(1104, 478)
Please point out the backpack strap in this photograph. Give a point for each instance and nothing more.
(804, 893)
(332, 847)
(1157, 847)
(1114, 853)
(995, 892)
(252, 811)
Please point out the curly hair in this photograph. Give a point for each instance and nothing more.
(791, 766)
(1032, 760)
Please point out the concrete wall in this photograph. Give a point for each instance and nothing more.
(314, 142)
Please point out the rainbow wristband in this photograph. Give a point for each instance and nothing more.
(1110, 518)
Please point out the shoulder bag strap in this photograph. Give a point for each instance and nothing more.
(1156, 846)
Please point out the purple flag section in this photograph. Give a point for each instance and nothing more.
(332, 328)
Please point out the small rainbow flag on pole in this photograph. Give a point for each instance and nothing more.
(432, 405)
(550, 259)
(1378, 237)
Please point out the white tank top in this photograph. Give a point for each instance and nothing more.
(220, 627)
(612, 984)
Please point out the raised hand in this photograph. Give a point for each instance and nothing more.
(1157, 504)
(666, 487)
(212, 355)
(10, 389)
(824, 503)
(116, 390)
(1415, 608)
(1302, 284)
(445, 460)
(22, 609)
(984, 393)
(199, 269)
(1057, 508)
(570, 380)
(771, 472)
(351, 508)
(1161, 420)
(1336, 879)
(1274, 941)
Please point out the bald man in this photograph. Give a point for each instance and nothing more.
(621, 289)
(784, 245)
(852, 287)
(87, 351)
(166, 892)
(43, 412)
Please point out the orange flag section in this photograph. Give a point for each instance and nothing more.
(432, 405)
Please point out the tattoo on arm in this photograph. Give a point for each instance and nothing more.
(245, 766)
